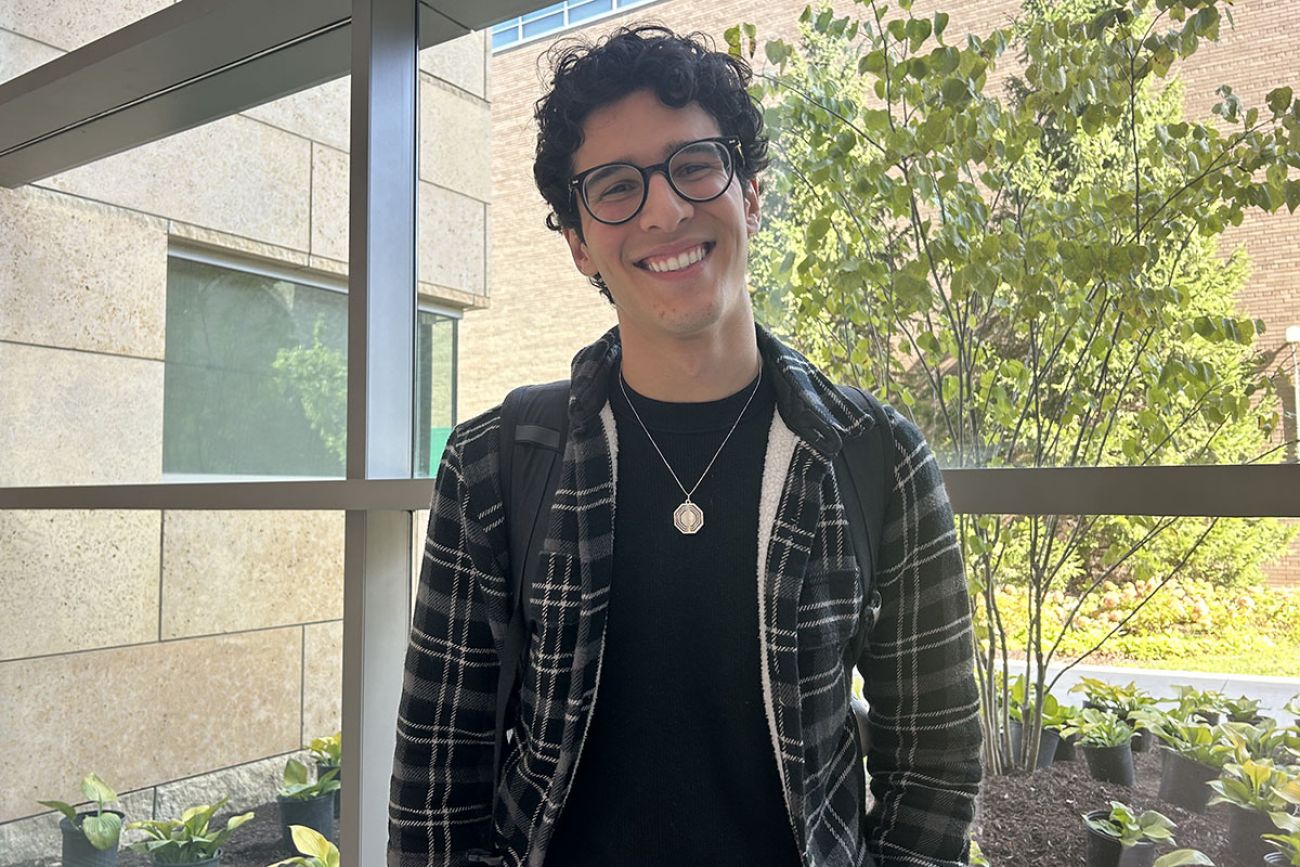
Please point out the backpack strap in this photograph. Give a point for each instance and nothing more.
(534, 427)
(865, 468)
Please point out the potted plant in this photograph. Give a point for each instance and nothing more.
(328, 754)
(1204, 704)
(1119, 838)
(1253, 790)
(1052, 719)
(1292, 707)
(189, 839)
(314, 850)
(1288, 843)
(1242, 710)
(308, 802)
(1106, 741)
(1190, 757)
(1067, 726)
(90, 838)
(1121, 700)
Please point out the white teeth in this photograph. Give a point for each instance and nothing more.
(678, 262)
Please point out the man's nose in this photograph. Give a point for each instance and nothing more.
(663, 209)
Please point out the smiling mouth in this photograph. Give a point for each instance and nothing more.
(679, 262)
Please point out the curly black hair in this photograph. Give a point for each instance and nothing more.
(679, 69)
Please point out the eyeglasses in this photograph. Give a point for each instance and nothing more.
(698, 171)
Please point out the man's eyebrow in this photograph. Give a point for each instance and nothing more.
(667, 152)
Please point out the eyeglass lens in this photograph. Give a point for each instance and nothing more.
(698, 172)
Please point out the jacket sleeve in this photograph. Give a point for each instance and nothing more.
(441, 794)
(924, 754)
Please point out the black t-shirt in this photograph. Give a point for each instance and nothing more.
(678, 768)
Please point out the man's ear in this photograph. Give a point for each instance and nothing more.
(753, 219)
(578, 249)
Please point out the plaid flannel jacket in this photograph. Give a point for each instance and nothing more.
(925, 737)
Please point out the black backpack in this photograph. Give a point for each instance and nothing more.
(534, 427)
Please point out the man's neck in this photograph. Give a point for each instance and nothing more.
(695, 369)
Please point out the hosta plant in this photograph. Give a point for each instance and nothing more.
(102, 829)
(1120, 700)
(1256, 785)
(1241, 709)
(328, 751)
(1292, 705)
(299, 785)
(1195, 740)
(314, 850)
(1288, 842)
(1193, 701)
(1263, 741)
(189, 839)
(1130, 829)
(1098, 728)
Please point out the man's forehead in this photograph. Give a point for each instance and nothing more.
(640, 129)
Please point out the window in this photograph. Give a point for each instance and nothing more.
(554, 18)
(255, 382)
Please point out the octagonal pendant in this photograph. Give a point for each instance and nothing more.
(688, 518)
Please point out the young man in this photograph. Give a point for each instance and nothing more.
(684, 699)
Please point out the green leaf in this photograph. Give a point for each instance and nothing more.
(97, 790)
(1279, 100)
(103, 830)
(308, 841)
(940, 24)
(295, 773)
(1183, 858)
(65, 809)
(777, 51)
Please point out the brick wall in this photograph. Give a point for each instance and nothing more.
(542, 310)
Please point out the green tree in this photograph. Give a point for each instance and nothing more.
(1033, 277)
(318, 376)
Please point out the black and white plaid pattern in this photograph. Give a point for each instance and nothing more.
(924, 757)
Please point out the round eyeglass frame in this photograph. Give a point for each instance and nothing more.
(731, 142)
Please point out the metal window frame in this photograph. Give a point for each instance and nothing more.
(517, 23)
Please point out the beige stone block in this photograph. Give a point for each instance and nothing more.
(445, 295)
(322, 679)
(69, 24)
(78, 418)
(452, 240)
(81, 275)
(39, 837)
(461, 61)
(225, 243)
(329, 203)
(247, 786)
(230, 571)
(330, 266)
(19, 54)
(143, 714)
(77, 580)
(234, 175)
(322, 113)
(455, 141)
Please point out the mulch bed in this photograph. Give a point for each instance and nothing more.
(1035, 820)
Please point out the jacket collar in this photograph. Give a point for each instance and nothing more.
(808, 402)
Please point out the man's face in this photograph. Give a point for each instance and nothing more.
(657, 303)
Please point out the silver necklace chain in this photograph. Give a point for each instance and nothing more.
(688, 517)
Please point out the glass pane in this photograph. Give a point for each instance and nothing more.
(543, 25)
(502, 38)
(435, 343)
(158, 682)
(256, 380)
(583, 11)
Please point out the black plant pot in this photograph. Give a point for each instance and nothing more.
(1276, 859)
(1141, 742)
(1244, 830)
(77, 851)
(322, 769)
(1046, 745)
(1209, 717)
(1183, 781)
(1066, 750)
(315, 813)
(1110, 764)
(1104, 851)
